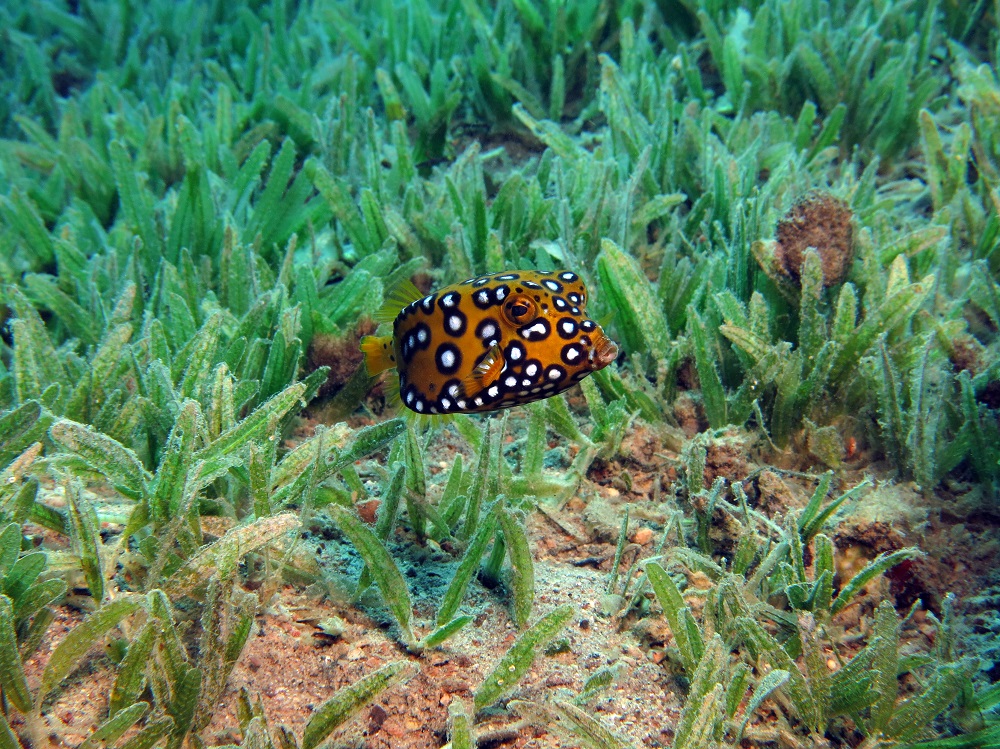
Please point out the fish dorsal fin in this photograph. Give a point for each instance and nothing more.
(485, 374)
(402, 294)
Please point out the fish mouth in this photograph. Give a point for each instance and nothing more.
(603, 352)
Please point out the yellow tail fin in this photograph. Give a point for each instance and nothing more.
(379, 354)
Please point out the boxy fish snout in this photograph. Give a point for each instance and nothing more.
(603, 352)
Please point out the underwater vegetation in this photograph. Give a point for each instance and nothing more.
(782, 220)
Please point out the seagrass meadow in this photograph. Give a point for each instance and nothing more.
(771, 521)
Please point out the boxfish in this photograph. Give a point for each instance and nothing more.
(490, 342)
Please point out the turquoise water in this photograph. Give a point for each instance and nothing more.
(785, 214)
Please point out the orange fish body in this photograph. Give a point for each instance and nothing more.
(490, 342)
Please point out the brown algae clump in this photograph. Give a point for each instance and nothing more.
(823, 222)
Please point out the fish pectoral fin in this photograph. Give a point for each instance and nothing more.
(485, 374)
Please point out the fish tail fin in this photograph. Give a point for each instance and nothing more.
(379, 353)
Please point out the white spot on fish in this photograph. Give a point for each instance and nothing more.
(538, 327)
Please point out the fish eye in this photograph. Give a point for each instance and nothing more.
(520, 309)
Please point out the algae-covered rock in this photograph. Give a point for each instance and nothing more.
(825, 223)
(821, 221)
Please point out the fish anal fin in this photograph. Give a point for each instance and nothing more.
(391, 388)
(394, 402)
(402, 294)
(485, 374)
(379, 353)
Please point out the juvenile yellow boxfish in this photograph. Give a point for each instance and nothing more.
(490, 342)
